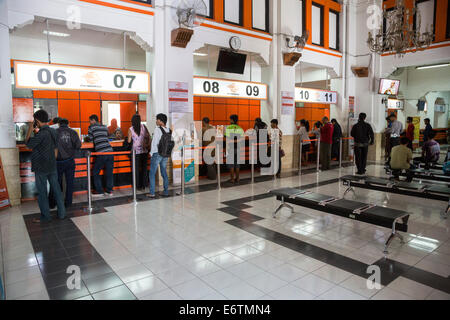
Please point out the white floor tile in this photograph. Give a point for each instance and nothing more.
(146, 286)
(193, 289)
(241, 291)
(410, 288)
(176, 276)
(340, 293)
(166, 294)
(389, 294)
(134, 273)
(221, 279)
(332, 274)
(266, 282)
(313, 284)
(245, 270)
(291, 292)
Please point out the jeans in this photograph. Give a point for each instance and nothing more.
(162, 162)
(108, 163)
(67, 168)
(141, 170)
(41, 186)
(361, 158)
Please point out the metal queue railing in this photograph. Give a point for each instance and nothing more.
(253, 148)
(318, 152)
(89, 156)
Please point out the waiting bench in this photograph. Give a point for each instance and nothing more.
(397, 220)
(421, 190)
(421, 174)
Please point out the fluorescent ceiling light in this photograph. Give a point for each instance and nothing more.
(200, 54)
(56, 34)
(433, 66)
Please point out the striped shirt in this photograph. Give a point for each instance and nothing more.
(43, 145)
(99, 135)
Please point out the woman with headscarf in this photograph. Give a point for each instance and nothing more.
(114, 131)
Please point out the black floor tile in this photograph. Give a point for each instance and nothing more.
(74, 241)
(117, 293)
(103, 282)
(55, 266)
(95, 270)
(64, 293)
(50, 254)
(56, 279)
(85, 248)
(86, 258)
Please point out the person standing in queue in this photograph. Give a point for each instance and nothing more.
(234, 133)
(363, 136)
(337, 135)
(139, 137)
(68, 144)
(410, 132)
(207, 140)
(43, 164)
(277, 135)
(162, 146)
(303, 132)
(98, 134)
(260, 128)
(427, 131)
(395, 130)
(387, 139)
(326, 140)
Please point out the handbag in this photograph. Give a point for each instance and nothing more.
(147, 141)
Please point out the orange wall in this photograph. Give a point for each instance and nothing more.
(219, 110)
(312, 112)
(78, 106)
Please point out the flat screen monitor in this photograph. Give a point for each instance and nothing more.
(231, 62)
(389, 87)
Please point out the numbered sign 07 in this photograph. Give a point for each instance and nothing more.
(61, 77)
(229, 88)
(315, 95)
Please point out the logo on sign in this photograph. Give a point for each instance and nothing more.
(91, 79)
(233, 88)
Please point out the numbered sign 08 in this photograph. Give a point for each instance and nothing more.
(61, 77)
(315, 96)
(228, 88)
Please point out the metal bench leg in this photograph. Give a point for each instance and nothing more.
(444, 214)
(391, 237)
(348, 190)
(281, 206)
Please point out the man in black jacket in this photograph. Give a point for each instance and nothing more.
(68, 144)
(43, 164)
(363, 135)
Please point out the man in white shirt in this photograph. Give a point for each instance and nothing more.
(395, 130)
(156, 158)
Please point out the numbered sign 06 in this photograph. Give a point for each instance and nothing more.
(228, 88)
(62, 77)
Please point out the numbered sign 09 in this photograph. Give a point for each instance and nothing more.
(315, 95)
(229, 89)
(60, 77)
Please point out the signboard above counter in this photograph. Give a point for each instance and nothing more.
(44, 76)
(210, 87)
(315, 95)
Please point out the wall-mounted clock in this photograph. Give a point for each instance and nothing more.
(235, 43)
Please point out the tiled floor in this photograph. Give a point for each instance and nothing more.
(225, 244)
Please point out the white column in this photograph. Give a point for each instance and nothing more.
(7, 135)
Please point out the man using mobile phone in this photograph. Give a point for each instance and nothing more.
(43, 164)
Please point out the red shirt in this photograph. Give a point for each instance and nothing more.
(326, 133)
(410, 132)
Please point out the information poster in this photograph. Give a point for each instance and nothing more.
(287, 103)
(416, 123)
(4, 196)
(179, 97)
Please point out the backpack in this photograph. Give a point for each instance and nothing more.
(166, 144)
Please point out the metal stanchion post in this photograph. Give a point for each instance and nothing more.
(340, 153)
(252, 159)
(183, 178)
(133, 162)
(300, 162)
(218, 166)
(89, 182)
(276, 155)
(318, 154)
